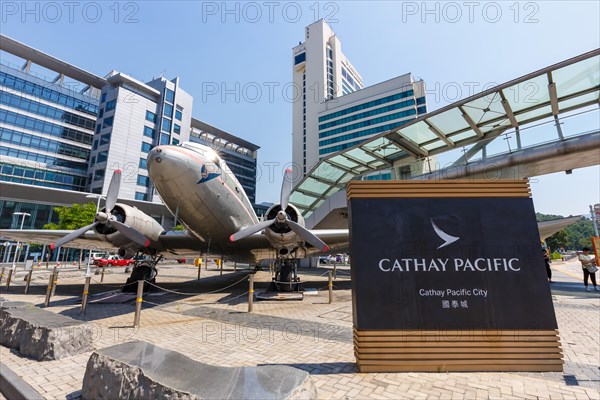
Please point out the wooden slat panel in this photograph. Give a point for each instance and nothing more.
(391, 346)
(457, 356)
(465, 349)
(445, 188)
(465, 340)
(462, 368)
(477, 350)
(460, 361)
(481, 332)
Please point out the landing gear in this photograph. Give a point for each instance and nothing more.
(142, 271)
(286, 277)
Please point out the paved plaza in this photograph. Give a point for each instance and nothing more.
(311, 334)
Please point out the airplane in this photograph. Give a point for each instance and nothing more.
(196, 185)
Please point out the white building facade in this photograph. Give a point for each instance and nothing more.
(134, 117)
(333, 110)
(320, 72)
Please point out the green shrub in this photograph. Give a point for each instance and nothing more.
(556, 256)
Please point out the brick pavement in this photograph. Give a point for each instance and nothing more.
(309, 334)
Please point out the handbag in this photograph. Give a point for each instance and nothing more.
(592, 269)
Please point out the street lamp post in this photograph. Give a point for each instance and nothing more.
(18, 249)
(93, 196)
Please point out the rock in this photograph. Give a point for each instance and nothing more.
(140, 370)
(41, 334)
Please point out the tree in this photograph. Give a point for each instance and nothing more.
(73, 217)
(558, 240)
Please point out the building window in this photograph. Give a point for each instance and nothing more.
(141, 196)
(143, 163)
(150, 116)
(102, 156)
(104, 139)
(103, 99)
(178, 115)
(165, 139)
(98, 127)
(143, 180)
(101, 113)
(175, 141)
(176, 128)
(420, 100)
(299, 58)
(108, 122)
(166, 125)
(111, 105)
(146, 147)
(169, 95)
(95, 145)
(148, 132)
(99, 175)
(168, 110)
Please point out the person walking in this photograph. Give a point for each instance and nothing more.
(588, 264)
(547, 262)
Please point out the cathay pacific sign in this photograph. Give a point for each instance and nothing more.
(447, 263)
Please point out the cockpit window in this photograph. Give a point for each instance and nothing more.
(205, 151)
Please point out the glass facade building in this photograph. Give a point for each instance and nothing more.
(46, 131)
(359, 115)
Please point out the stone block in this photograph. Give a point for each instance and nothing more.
(140, 370)
(41, 334)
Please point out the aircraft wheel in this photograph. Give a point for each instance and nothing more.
(285, 275)
(142, 272)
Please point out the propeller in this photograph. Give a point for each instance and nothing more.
(107, 218)
(282, 218)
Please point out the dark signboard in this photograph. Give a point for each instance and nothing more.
(448, 264)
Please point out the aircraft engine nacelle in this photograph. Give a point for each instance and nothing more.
(279, 235)
(137, 220)
(126, 253)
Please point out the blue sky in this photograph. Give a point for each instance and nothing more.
(244, 50)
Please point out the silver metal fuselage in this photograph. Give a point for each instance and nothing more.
(196, 186)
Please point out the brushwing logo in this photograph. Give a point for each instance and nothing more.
(206, 176)
(448, 239)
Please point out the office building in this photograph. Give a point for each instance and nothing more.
(354, 117)
(63, 131)
(335, 110)
(134, 117)
(321, 72)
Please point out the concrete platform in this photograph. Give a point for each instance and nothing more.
(279, 295)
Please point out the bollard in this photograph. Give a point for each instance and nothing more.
(55, 281)
(2, 274)
(102, 275)
(199, 270)
(221, 267)
(251, 294)
(49, 290)
(330, 287)
(334, 271)
(46, 263)
(8, 278)
(235, 266)
(28, 281)
(138, 304)
(86, 291)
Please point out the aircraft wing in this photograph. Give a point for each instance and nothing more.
(44, 236)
